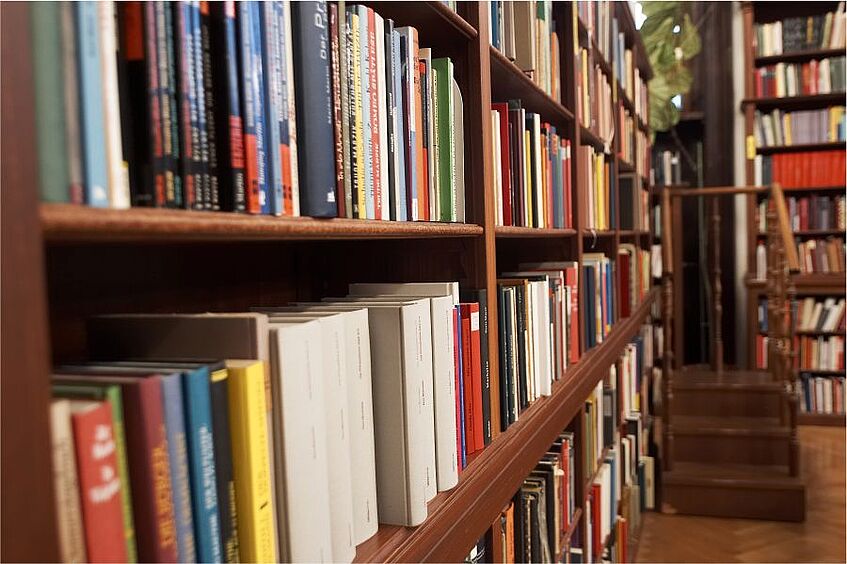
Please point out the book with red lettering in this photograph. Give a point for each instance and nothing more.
(147, 453)
(472, 376)
(99, 481)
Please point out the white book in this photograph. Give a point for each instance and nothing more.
(115, 164)
(379, 24)
(425, 54)
(302, 471)
(359, 410)
(835, 317)
(538, 183)
(333, 366)
(406, 289)
(816, 315)
(761, 262)
(443, 383)
(542, 342)
(458, 154)
(399, 369)
(292, 110)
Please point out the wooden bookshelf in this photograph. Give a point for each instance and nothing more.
(821, 419)
(819, 285)
(64, 263)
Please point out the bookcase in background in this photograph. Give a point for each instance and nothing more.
(64, 263)
(775, 156)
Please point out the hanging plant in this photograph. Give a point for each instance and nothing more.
(671, 39)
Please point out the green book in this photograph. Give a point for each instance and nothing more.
(112, 394)
(50, 101)
(442, 70)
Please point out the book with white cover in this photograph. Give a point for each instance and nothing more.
(398, 370)
(359, 410)
(336, 423)
(459, 154)
(443, 385)
(407, 289)
(302, 470)
(542, 327)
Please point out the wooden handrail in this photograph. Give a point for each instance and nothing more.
(784, 227)
(717, 191)
(667, 238)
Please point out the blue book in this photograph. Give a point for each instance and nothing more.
(495, 37)
(400, 151)
(272, 84)
(92, 128)
(367, 143)
(259, 104)
(178, 456)
(201, 457)
(457, 317)
(204, 187)
(407, 56)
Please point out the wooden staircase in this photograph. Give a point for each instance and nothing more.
(729, 437)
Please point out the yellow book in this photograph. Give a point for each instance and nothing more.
(359, 127)
(528, 187)
(599, 205)
(786, 128)
(251, 461)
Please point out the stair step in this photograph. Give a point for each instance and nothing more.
(702, 378)
(718, 400)
(729, 425)
(733, 490)
(730, 440)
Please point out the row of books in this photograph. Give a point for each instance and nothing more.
(402, 418)
(804, 33)
(817, 256)
(634, 144)
(809, 213)
(525, 32)
(594, 97)
(800, 127)
(596, 182)
(199, 105)
(667, 168)
(599, 279)
(532, 169)
(800, 170)
(597, 19)
(822, 394)
(539, 334)
(533, 527)
(820, 353)
(823, 76)
(635, 203)
(816, 315)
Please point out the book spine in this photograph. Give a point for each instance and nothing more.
(99, 481)
(246, 408)
(423, 194)
(198, 418)
(178, 455)
(260, 104)
(68, 510)
(167, 84)
(461, 391)
(446, 141)
(230, 132)
(287, 152)
(398, 124)
(367, 122)
(314, 108)
(224, 475)
(202, 148)
(96, 176)
(251, 154)
(408, 54)
(390, 118)
(113, 394)
(382, 186)
(357, 164)
(344, 64)
(70, 91)
(213, 199)
(272, 71)
(292, 109)
(485, 366)
(426, 140)
(336, 32)
(187, 109)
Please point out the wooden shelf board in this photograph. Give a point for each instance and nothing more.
(459, 517)
(797, 56)
(809, 233)
(813, 189)
(514, 231)
(588, 137)
(820, 372)
(625, 166)
(821, 419)
(823, 146)
(792, 102)
(508, 81)
(600, 59)
(71, 223)
(819, 281)
(622, 96)
(819, 333)
(435, 21)
(633, 233)
(598, 233)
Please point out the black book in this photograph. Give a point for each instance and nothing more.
(523, 336)
(506, 401)
(213, 196)
(313, 96)
(186, 105)
(545, 471)
(793, 34)
(481, 297)
(224, 475)
(170, 117)
(609, 416)
(391, 118)
(628, 188)
(229, 132)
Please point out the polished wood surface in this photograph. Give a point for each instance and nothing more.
(678, 538)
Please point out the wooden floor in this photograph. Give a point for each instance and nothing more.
(676, 538)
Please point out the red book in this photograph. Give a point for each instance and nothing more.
(813, 77)
(149, 465)
(623, 283)
(472, 376)
(505, 162)
(336, 119)
(99, 481)
(457, 375)
(596, 520)
(374, 117)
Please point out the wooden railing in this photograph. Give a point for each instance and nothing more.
(783, 262)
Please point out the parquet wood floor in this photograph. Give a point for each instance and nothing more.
(678, 538)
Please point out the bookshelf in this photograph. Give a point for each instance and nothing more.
(63, 263)
(817, 285)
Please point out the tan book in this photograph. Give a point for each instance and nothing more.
(68, 508)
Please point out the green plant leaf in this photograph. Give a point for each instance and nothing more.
(690, 42)
(659, 8)
(655, 29)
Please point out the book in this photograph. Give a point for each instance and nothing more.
(443, 70)
(68, 510)
(224, 473)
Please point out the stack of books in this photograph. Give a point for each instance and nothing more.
(820, 353)
(804, 33)
(594, 98)
(173, 456)
(800, 170)
(539, 335)
(596, 182)
(525, 32)
(303, 108)
(800, 127)
(532, 169)
(816, 212)
(824, 76)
